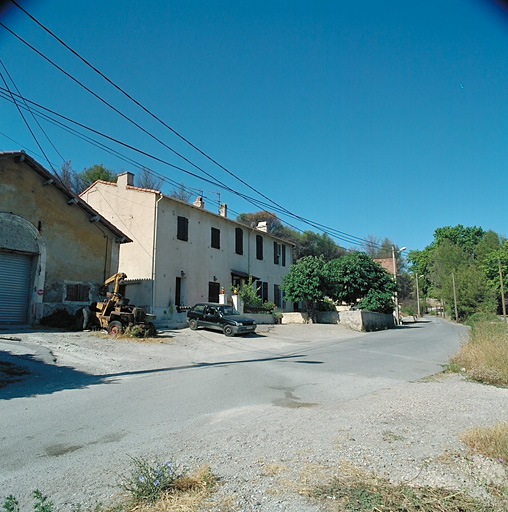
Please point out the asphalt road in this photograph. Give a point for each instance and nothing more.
(70, 425)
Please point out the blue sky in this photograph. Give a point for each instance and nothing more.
(371, 118)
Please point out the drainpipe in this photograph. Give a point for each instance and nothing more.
(154, 249)
(252, 225)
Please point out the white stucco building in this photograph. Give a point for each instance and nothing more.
(182, 254)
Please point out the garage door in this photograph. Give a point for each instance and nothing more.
(15, 271)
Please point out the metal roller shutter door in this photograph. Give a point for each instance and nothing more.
(15, 270)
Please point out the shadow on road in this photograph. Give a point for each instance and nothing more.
(25, 376)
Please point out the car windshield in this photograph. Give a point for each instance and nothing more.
(228, 310)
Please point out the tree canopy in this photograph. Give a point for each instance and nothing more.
(470, 256)
(353, 278)
(307, 243)
(91, 174)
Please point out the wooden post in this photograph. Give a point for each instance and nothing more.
(455, 297)
(502, 289)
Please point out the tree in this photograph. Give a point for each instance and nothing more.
(252, 219)
(181, 193)
(305, 283)
(315, 244)
(356, 276)
(490, 266)
(147, 179)
(90, 175)
(69, 177)
(465, 237)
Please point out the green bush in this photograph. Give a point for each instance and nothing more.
(148, 480)
(248, 295)
(481, 317)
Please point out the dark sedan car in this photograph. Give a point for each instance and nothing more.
(220, 317)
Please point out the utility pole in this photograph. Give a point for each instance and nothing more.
(417, 295)
(502, 289)
(455, 297)
(397, 319)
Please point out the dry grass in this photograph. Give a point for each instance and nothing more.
(355, 490)
(190, 494)
(489, 441)
(160, 338)
(485, 356)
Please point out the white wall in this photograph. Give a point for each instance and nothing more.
(136, 211)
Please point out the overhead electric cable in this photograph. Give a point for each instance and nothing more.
(33, 116)
(86, 62)
(102, 100)
(253, 201)
(24, 119)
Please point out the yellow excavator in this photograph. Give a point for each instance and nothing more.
(115, 314)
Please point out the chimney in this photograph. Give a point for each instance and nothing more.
(124, 179)
(199, 202)
(263, 226)
(223, 210)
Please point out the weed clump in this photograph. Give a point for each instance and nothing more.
(148, 481)
(368, 493)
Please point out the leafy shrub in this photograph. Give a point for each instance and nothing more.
(42, 503)
(325, 305)
(408, 310)
(149, 480)
(377, 301)
(481, 317)
(248, 295)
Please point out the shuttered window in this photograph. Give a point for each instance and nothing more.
(259, 247)
(239, 241)
(182, 232)
(215, 238)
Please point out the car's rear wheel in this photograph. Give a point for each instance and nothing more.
(228, 330)
(115, 328)
(193, 324)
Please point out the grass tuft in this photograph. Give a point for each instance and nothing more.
(358, 491)
(489, 441)
(188, 494)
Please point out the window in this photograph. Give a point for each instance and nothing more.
(178, 292)
(283, 255)
(277, 296)
(183, 229)
(262, 290)
(259, 247)
(216, 238)
(276, 253)
(239, 241)
(77, 293)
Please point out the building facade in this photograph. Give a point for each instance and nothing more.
(55, 250)
(182, 253)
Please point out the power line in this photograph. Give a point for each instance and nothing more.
(344, 236)
(255, 202)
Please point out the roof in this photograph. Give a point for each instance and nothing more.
(54, 181)
(190, 205)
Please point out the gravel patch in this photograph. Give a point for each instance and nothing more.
(266, 457)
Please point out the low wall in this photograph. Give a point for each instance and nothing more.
(261, 318)
(295, 318)
(356, 320)
(366, 320)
